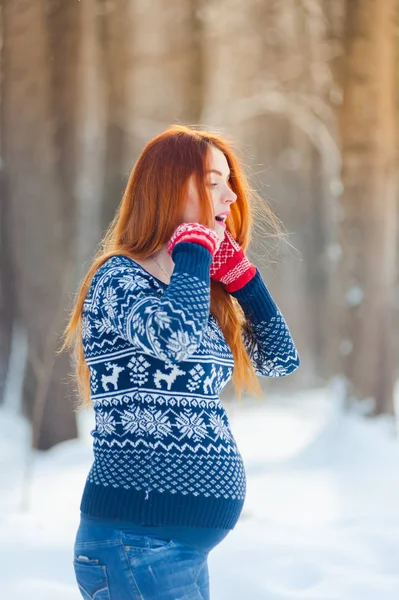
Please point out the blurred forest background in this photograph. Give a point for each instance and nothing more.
(308, 88)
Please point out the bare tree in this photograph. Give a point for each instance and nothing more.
(36, 220)
(7, 313)
(163, 83)
(369, 205)
(275, 98)
(90, 136)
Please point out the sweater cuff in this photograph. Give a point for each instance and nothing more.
(255, 300)
(193, 259)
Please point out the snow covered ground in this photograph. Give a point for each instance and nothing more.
(320, 522)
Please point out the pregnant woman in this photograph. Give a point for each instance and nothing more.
(170, 310)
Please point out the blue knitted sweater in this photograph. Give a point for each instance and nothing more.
(164, 452)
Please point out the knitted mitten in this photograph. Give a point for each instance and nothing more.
(230, 265)
(194, 232)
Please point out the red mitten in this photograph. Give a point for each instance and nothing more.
(194, 232)
(230, 265)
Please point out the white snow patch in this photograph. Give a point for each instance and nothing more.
(320, 521)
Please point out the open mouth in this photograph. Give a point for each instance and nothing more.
(221, 219)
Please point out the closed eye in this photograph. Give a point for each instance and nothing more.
(228, 182)
(220, 173)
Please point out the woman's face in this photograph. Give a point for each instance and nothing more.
(222, 195)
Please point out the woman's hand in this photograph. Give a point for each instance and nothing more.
(230, 265)
(196, 233)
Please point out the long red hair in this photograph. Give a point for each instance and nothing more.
(150, 211)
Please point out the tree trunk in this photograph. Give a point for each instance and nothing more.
(368, 233)
(41, 244)
(115, 41)
(274, 97)
(163, 85)
(90, 139)
(7, 313)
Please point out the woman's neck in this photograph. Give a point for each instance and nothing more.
(164, 261)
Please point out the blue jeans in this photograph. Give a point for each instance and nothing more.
(114, 564)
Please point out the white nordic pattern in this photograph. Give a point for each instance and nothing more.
(158, 362)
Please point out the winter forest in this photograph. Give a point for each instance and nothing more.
(308, 92)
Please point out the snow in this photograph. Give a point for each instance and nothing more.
(320, 521)
(354, 296)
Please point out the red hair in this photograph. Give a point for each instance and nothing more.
(149, 213)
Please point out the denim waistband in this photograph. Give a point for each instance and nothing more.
(204, 538)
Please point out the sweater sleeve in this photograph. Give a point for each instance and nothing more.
(170, 326)
(267, 338)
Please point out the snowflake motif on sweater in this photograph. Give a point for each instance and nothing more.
(164, 452)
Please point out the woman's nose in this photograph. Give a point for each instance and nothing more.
(231, 197)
